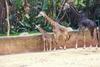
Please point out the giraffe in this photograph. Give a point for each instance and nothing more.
(80, 17)
(47, 39)
(61, 34)
(82, 20)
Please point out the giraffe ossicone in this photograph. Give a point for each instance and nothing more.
(66, 6)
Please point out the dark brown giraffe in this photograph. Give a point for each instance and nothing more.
(80, 17)
(82, 20)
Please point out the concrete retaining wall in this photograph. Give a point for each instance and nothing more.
(23, 44)
(11, 45)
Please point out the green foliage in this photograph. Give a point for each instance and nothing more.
(51, 8)
(27, 24)
(80, 3)
(19, 4)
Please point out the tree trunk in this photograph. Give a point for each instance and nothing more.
(8, 23)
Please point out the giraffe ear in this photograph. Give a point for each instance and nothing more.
(37, 26)
(39, 15)
(42, 13)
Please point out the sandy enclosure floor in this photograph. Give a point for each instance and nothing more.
(89, 57)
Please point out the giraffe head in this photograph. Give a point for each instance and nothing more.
(66, 6)
(42, 13)
(37, 26)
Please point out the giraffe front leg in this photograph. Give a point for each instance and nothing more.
(56, 38)
(65, 42)
(44, 45)
(82, 30)
(66, 38)
(54, 44)
(50, 44)
(93, 36)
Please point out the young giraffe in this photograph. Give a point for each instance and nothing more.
(60, 32)
(47, 39)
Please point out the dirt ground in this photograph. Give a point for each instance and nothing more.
(89, 57)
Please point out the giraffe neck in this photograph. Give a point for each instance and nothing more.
(51, 21)
(41, 30)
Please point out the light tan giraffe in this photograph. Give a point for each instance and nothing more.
(60, 32)
(47, 39)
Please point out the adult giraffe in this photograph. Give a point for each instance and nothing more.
(80, 17)
(61, 34)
